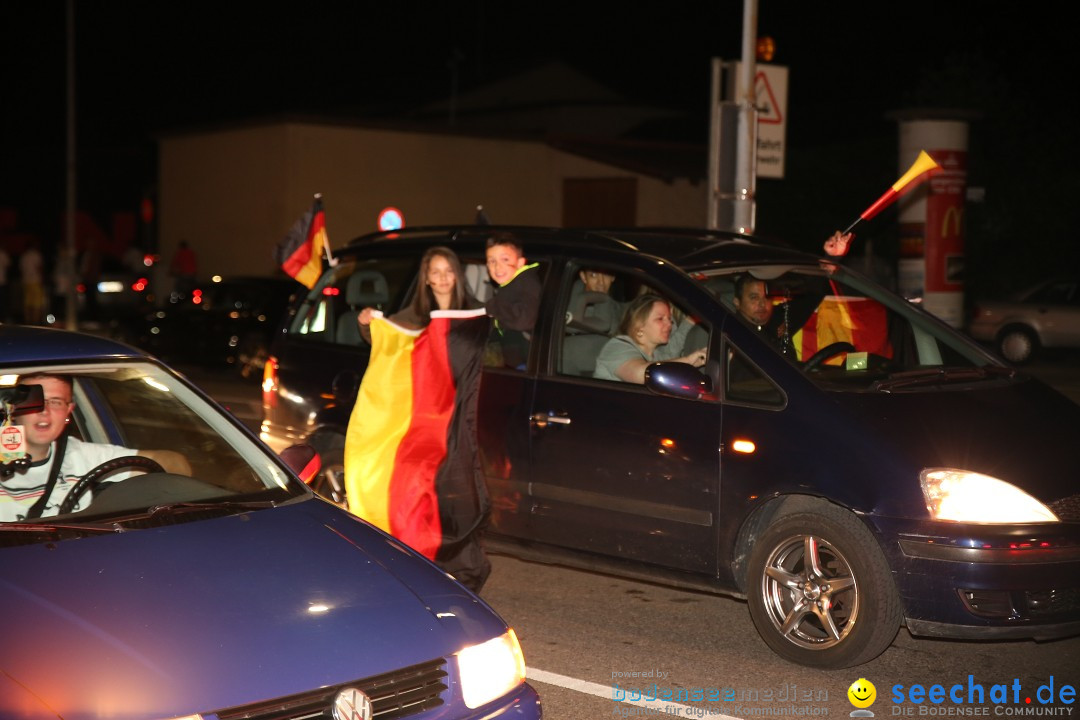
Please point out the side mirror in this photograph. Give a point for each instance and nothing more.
(302, 460)
(677, 379)
(21, 399)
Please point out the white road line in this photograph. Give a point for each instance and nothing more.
(665, 707)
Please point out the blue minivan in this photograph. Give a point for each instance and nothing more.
(218, 587)
(850, 466)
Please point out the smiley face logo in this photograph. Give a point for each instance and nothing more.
(862, 693)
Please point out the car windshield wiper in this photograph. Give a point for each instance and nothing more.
(55, 527)
(183, 507)
(941, 375)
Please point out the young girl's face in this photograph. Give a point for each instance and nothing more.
(502, 262)
(440, 276)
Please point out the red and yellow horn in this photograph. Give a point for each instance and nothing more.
(923, 167)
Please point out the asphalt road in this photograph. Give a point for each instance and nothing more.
(591, 639)
(583, 633)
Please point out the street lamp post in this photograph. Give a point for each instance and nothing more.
(70, 309)
(746, 161)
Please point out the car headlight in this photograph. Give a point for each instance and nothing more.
(491, 669)
(971, 497)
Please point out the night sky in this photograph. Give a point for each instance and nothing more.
(145, 67)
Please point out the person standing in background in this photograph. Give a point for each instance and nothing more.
(30, 270)
(184, 268)
(5, 264)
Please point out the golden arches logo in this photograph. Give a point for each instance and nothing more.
(956, 214)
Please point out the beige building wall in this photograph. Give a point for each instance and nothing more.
(233, 194)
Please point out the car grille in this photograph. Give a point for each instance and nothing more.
(1067, 509)
(1023, 604)
(1052, 602)
(395, 694)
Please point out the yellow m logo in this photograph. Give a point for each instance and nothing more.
(956, 214)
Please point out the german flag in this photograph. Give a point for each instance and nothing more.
(860, 321)
(300, 253)
(411, 462)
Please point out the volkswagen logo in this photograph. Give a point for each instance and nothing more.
(352, 704)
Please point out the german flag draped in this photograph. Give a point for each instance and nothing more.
(300, 253)
(860, 321)
(411, 464)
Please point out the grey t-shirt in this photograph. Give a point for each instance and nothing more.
(621, 348)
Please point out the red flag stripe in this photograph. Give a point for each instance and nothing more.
(414, 504)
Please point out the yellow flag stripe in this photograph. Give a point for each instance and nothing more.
(377, 426)
(312, 270)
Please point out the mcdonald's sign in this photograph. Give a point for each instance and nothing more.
(954, 220)
(944, 248)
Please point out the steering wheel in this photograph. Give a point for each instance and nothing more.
(91, 479)
(827, 352)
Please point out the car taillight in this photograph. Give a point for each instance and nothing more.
(269, 383)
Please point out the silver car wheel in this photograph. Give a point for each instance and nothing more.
(810, 594)
(1017, 345)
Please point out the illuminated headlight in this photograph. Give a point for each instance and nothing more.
(970, 497)
(110, 286)
(490, 670)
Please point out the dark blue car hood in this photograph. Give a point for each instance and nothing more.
(215, 613)
(1019, 431)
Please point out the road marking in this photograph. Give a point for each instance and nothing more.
(663, 707)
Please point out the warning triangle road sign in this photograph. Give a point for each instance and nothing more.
(767, 107)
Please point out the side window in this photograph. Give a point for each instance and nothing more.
(592, 314)
(1056, 294)
(745, 382)
(507, 347)
(329, 312)
(594, 311)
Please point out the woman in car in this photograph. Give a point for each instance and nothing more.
(443, 289)
(646, 335)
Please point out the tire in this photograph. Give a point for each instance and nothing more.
(330, 481)
(850, 589)
(1018, 344)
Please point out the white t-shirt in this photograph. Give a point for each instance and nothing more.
(19, 492)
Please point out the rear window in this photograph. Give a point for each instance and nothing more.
(328, 312)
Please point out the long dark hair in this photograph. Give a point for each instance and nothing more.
(423, 301)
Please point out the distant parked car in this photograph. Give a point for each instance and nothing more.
(1044, 316)
(229, 322)
(120, 292)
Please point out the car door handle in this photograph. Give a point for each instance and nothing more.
(542, 420)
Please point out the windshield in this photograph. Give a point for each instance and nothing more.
(129, 437)
(844, 331)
